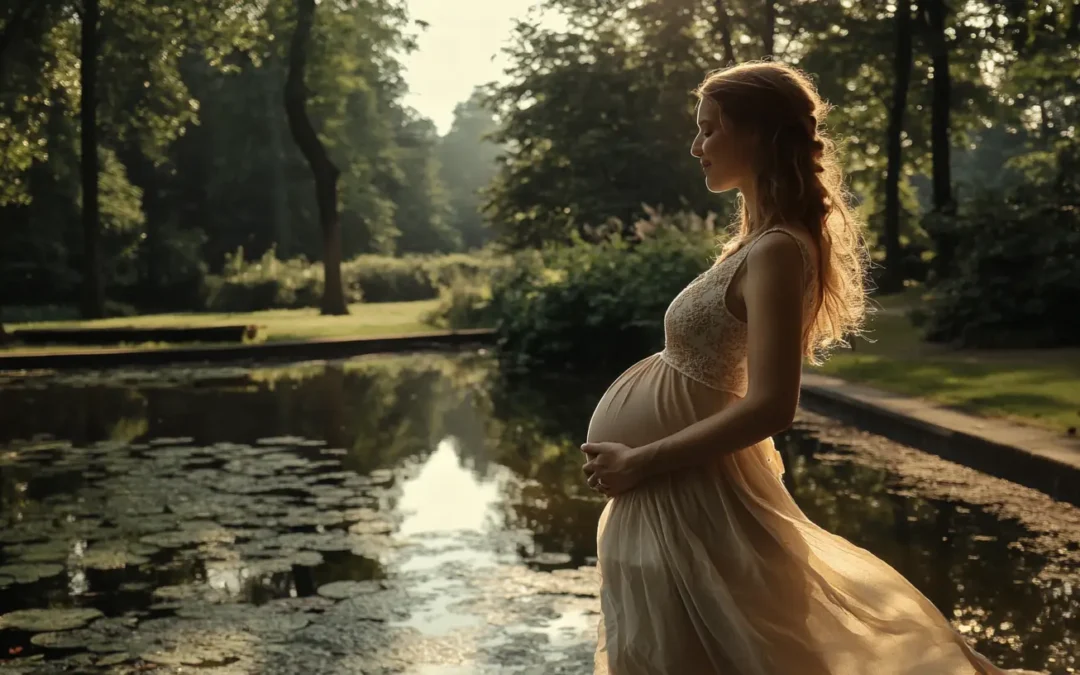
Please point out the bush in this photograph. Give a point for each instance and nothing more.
(463, 304)
(267, 283)
(596, 304)
(416, 277)
(1016, 274)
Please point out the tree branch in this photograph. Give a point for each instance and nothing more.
(722, 30)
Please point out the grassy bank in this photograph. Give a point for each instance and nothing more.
(364, 320)
(1040, 387)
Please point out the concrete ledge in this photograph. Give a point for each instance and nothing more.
(301, 350)
(1033, 457)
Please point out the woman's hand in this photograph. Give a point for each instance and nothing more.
(613, 468)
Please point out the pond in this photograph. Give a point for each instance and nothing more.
(414, 514)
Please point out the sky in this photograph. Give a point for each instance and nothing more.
(458, 51)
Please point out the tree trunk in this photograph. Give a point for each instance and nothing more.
(768, 36)
(93, 301)
(892, 280)
(936, 13)
(722, 30)
(322, 168)
(280, 216)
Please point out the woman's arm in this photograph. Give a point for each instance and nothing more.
(773, 291)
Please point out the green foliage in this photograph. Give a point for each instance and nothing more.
(597, 304)
(1017, 273)
(197, 158)
(467, 163)
(267, 283)
(271, 283)
(422, 211)
(416, 277)
(464, 304)
(597, 122)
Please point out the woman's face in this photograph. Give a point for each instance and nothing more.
(726, 155)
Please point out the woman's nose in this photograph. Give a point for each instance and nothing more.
(695, 148)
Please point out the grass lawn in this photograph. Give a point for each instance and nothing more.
(364, 320)
(1040, 387)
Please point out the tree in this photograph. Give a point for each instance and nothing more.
(721, 22)
(323, 169)
(467, 164)
(934, 14)
(768, 33)
(893, 279)
(422, 212)
(596, 123)
(93, 302)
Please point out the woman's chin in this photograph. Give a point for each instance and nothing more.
(718, 186)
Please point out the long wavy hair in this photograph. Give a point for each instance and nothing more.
(799, 182)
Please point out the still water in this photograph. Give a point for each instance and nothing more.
(408, 514)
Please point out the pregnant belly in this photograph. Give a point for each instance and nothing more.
(652, 400)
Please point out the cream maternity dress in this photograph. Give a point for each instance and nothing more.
(716, 571)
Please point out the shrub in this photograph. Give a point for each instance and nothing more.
(269, 283)
(415, 277)
(463, 304)
(266, 283)
(1016, 274)
(596, 304)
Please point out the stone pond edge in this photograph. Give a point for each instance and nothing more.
(298, 350)
(1012, 462)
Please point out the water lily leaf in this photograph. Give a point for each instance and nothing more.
(112, 559)
(53, 551)
(81, 638)
(114, 659)
(28, 573)
(343, 590)
(48, 620)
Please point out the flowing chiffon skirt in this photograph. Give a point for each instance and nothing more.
(717, 571)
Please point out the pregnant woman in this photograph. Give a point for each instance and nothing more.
(707, 565)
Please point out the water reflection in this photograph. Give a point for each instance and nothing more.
(446, 497)
(246, 485)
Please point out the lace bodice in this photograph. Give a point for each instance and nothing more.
(702, 338)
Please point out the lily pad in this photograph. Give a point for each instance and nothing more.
(280, 440)
(82, 638)
(549, 559)
(311, 518)
(112, 560)
(114, 659)
(190, 592)
(190, 535)
(29, 573)
(52, 551)
(343, 590)
(21, 535)
(371, 527)
(180, 440)
(315, 541)
(48, 620)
